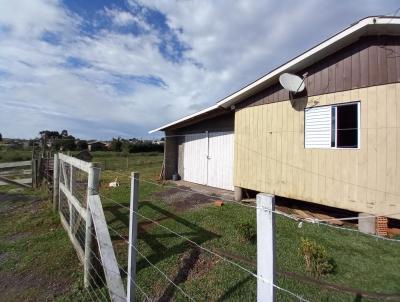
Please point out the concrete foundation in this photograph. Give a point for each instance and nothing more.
(238, 194)
(366, 225)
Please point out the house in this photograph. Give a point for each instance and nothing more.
(337, 143)
(95, 145)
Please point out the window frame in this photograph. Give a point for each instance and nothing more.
(334, 118)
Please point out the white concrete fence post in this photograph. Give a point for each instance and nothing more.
(266, 248)
(92, 189)
(133, 221)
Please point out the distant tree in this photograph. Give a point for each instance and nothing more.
(64, 133)
(1, 138)
(33, 142)
(116, 145)
(81, 145)
(65, 143)
(49, 134)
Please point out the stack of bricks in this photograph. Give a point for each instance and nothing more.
(381, 226)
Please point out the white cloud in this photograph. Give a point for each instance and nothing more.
(124, 18)
(98, 84)
(27, 18)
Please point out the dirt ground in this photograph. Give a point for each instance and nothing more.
(184, 200)
(185, 195)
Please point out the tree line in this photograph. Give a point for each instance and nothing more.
(65, 142)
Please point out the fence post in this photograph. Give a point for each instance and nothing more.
(131, 282)
(72, 180)
(265, 247)
(34, 173)
(55, 182)
(93, 184)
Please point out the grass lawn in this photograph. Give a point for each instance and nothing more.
(37, 262)
(361, 262)
(9, 155)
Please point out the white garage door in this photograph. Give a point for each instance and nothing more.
(208, 159)
(195, 158)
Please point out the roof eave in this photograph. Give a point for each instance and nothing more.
(352, 32)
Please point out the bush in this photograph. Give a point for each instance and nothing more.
(316, 258)
(247, 232)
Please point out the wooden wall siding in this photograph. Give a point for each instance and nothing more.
(371, 61)
(270, 155)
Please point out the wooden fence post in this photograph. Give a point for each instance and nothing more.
(55, 182)
(265, 247)
(131, 281)
(93, 185)
(72, 180)
(34, 173)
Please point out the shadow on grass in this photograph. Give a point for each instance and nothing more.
(162, 252)
(230, 291)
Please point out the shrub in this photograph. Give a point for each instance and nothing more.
(247, 232)
(316, 258)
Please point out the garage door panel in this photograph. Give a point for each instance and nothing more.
(195, 158)
(220, 160)
(208, 159)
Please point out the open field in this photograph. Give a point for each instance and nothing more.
(32, 243)
(14, 155)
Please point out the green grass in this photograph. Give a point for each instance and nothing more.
(8, 155)
(362, 262)
(38, 263)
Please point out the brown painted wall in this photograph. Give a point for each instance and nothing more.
(370, 61)
(223, 122)
(170, 156)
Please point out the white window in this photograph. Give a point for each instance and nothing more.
(335, 126)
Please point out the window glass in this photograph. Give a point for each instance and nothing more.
(347, 126)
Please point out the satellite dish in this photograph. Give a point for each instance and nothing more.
(292, 82)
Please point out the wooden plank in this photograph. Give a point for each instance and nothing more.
(397, 50)
(107, 255)
(339, 78)
(73, 200)
(391, 63)
(332, 78)
(15, 164)
(355, 67)
(74, 241)
(64, 174)
(372, 149)
(381, 140)
(15, 172)
(347, 70)
(382, 65)
(373, 65)
(56, 181)
(80, 164)
(364, 70)
(18, 182)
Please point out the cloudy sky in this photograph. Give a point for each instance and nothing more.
(120, 68)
